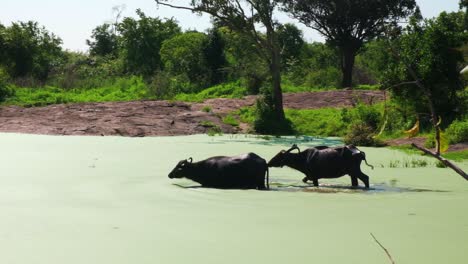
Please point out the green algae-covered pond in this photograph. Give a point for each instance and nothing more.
(109, 200)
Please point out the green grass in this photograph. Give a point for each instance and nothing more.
(454, 155)
(129, 89)
(225, 90)
(230, 120)
(317, 122)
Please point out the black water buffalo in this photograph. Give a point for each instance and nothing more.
(239, 172)
(324, 162)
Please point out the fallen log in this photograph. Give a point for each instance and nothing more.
(443, 160)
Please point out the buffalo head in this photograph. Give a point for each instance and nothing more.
(279, 159)
(179, 170)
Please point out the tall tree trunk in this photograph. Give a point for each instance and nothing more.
(348, 55)
(275, 69)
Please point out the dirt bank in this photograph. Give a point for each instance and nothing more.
(155, 118)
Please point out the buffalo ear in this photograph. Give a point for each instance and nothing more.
(190, 160)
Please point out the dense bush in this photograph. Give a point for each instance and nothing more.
(266, 121)
(29, 50)
(183, 55)
(457, 132)
(5, 89)
(361, 134)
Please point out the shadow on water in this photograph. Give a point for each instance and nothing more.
(279, 141)
(324, 188)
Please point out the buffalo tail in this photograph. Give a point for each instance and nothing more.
(372, 167)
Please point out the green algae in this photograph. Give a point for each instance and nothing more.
(109, 200)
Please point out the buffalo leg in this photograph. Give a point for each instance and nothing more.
(364, 178)
(315, 181)
(354, 181)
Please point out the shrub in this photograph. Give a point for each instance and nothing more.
(266, 121)
(230, 120)
(361, 134)
(457, 132)
(5, 89)
(323, 78)
(206, 109)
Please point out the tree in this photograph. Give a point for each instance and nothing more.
(425, 70)
(215, 56)
(29, 50)
(183, 55)
(291, 43)
(242, 17)
(141, 41)
(243, 60)
(348, 24)
(105, 41)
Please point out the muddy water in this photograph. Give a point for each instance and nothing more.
(108, 200)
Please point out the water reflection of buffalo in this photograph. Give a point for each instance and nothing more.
(324, 162)
(246, 171)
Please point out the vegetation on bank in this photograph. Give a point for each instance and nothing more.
(153, 58)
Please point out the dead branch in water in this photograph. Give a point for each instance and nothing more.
(443, 160)
(386, 251)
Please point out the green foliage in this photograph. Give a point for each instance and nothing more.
(370, 115)
(123, 89)
(408, 163)
(81, 71)
(317, 122)
(457, 132)
(323, 78)
(183, 55)
(316, 67)
(214, 53)
(347, 25)
(213, 129)
(226, 90)
(141, 40)
(105, 41)
(361, 134)
(5, 89)
(431, 49)
(243, 59)
(374, 60)
(456, 155)
(29, 50)
(206, 109)
(266, 121)
(291, 43)
(231, 120)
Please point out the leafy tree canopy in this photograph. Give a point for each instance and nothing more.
(348, 24)
(141, 40)
(105, 41)
(431, 49)
(29, 50)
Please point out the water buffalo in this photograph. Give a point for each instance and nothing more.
(324, 162)
(239, 172)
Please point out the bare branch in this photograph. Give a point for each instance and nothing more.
(443, 160)
(386, 251)
(400, 84)
(176, 7)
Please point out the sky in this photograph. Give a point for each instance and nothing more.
(73, 21)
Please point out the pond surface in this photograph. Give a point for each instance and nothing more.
(109, 200)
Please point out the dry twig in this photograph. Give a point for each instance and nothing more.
(386, 251)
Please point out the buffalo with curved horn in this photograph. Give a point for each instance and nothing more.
(246, 171)
(324, 162)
